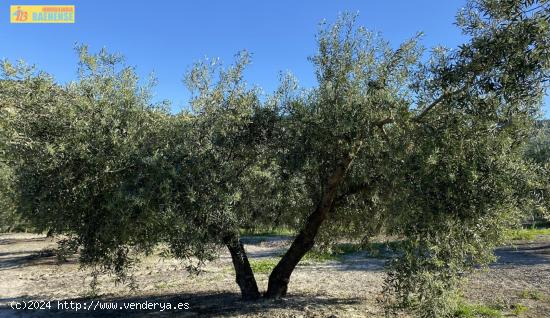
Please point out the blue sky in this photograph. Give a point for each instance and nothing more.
(166, 37)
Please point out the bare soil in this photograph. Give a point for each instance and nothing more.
(29, 271)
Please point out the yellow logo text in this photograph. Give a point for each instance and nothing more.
(42, 14)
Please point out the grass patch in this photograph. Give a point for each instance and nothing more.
(335, 254)
(320, 256)
(264, 266)
(518, 309)
(465, 310)
(280, 231)
(472, 310)
(531, 294)
(525, 234)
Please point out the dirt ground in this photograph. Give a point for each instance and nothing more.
(31, 275)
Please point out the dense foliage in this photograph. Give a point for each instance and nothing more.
(430, 148)
(538, 152)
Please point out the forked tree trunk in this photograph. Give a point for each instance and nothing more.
(280, 276)
(243, 272)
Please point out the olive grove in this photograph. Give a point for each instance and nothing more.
(427, 146)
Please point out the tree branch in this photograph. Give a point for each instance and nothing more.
(426, 110)
(364, 187)
(383, 122)
(444, 96)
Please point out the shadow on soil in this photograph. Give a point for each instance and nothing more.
(523, 254)
(9, 260)
(200, 305)
(9, 241)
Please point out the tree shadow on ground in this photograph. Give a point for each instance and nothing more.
(273, 239)
(223, 304)
(9, 260)
(9, 241)
(523, 254)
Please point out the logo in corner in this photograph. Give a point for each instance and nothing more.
(42, 14)
(20, 15)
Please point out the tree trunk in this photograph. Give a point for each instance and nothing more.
(304, 241)
(243, 272)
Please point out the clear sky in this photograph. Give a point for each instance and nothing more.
(165, 37)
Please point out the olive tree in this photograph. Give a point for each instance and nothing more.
(228, 130)
(434, 147)
(88, 157)
(427, 146)
(538, 151)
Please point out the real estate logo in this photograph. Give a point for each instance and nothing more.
(42, 14)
